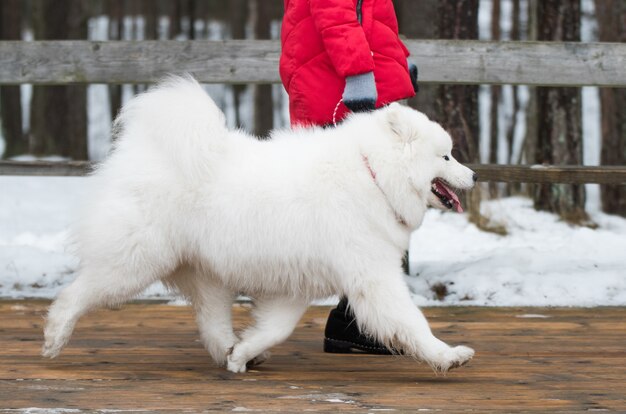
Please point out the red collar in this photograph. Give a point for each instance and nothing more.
(369, 167)
(373, 174)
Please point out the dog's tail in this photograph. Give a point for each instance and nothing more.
(179, 120)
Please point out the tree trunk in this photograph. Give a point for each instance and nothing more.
(611, 16)
(418, 20)
(532, 128)
(559, 117)
(458, 105)
(10, 96)
(150, 12)
(115, 11)
(238, 17)
(176, 17)
(59, 113)
(263, 102)
(496, 93)
(516, 35)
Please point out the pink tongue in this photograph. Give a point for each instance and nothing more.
(451, 195)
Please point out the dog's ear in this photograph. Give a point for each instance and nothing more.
(399, 121)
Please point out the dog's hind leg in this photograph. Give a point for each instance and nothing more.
(384, 309)
(212, 304)
(275, 321)
(113, 270)
(91, 289)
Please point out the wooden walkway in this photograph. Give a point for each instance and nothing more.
(147, 357)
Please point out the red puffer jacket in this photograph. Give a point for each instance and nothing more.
(324, 41)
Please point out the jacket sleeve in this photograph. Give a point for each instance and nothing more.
(343, 36)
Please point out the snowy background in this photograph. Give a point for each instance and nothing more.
(542, 261)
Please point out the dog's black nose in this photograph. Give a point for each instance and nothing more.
(475, 177)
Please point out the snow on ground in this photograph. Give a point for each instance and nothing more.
(542, 261)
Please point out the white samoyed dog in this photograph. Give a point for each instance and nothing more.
(307, 214)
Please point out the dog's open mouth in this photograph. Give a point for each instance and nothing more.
(445, 194)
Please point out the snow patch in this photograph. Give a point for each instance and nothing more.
(541, 262)
(532, 316)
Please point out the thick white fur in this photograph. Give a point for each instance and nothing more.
(215, 213)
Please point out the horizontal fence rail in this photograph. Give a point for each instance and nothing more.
(545, 174)
(486, 172)
(256, 61)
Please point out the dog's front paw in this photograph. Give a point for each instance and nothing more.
(452, 357)
(235, 366)
(55, 339)
(50, 350)
(463, 355)
(236, 361)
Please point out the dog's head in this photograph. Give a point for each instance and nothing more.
(427, 156)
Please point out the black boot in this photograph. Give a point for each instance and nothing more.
(342, 335)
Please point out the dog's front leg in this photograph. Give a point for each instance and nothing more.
(275, 320)
(384, 309)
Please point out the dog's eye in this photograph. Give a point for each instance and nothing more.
(445, 157)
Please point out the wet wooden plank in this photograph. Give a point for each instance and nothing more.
(148, 357)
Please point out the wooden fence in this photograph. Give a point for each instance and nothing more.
(256, 61)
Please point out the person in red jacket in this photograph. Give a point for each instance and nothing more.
(340, 56)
